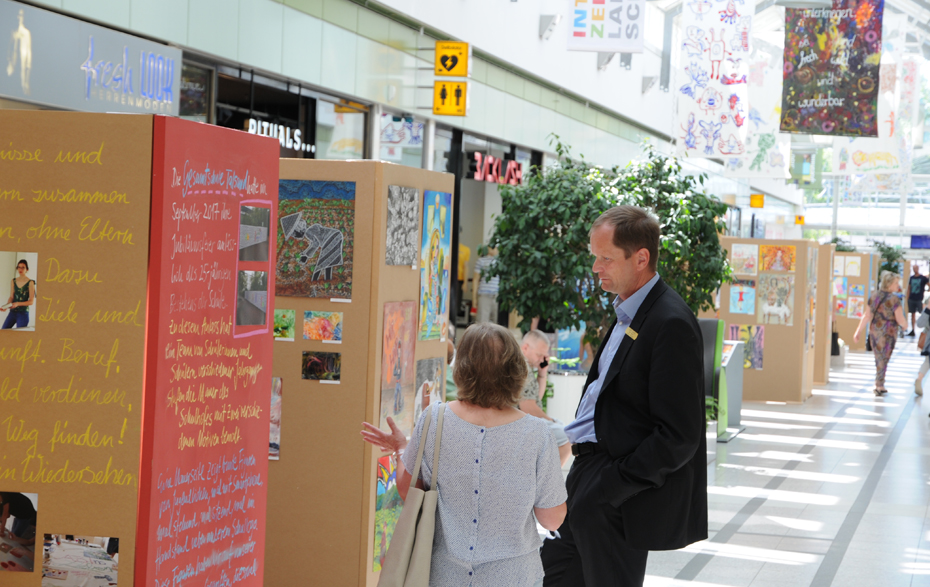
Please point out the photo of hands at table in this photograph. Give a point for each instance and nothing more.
(17, 531)
(79, 561)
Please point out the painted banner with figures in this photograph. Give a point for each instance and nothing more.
(831, 69)
(767, 150)
(713, 91)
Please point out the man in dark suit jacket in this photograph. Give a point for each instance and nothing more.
(639, 480)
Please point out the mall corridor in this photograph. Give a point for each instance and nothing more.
(834, 491)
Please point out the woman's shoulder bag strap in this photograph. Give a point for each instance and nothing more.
(415, 474)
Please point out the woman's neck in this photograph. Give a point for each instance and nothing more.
(480, 416)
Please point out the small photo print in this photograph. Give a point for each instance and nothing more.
(324, 326)
(274, 438)
(18, 273)
(252, 298)
(71, 559)
(321, 366)
(284, 325)
(254, 224)
(18, 533)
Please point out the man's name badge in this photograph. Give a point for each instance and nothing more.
(631, 333)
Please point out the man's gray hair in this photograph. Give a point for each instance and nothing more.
(535, 336)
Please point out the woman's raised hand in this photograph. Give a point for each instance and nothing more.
(387, 442)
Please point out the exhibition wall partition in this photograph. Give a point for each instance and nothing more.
(771, 307)
(823, 304)
(852, 282)
(136, 408)
(365, 343)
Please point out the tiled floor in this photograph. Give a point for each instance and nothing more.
(832, 492)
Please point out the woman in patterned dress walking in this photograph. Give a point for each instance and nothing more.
(883, 315)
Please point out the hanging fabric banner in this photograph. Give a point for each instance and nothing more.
(831, 69)
(607, 26)
(767, 150)
(712, 101)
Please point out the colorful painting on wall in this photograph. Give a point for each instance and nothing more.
(284, 325)
(831, 69)
(316, 240)
(776, 299)
(753, 338)
(713, 101)
(839, 287)
(397, 365)
(430, 377)
(435, 265)
(856, 307)
(839, 307)
(853, 266)
(778, 257)
(274, 437)
(839, 266)
(388, 504)
(745, 259)
(743, 297)
(767, 150)
(323, 326)
(857, 290)
(322, 366)
(402, 228)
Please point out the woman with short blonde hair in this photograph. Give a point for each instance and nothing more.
(883, 315)
(497, 468)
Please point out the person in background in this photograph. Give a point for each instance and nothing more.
(24, 517)
(535, 350)
(916, 286)
(883, 316)
(22, 295)
(639, 479)
(497, 469)
(923, 322)
(464, 256)
(485, 288)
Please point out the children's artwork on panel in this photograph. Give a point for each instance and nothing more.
(316, 238)
(857, 290)
(435, 264)
(776, 299)
(856, 307)
(840, 307)
(778, 257)
(322, 366)
(753, 338)
(323, 326)
(284, 321)
(853, 266)
(839, 287)
(274, 437)
(388, 505)
(430, 377)
(743, 297)
(402, 217)
(745, 259)
(397, 365)
(839, 266)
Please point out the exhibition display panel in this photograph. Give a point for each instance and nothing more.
(853, 280)
(823, 328)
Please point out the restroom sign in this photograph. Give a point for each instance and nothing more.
(453, 59)
(450, 98)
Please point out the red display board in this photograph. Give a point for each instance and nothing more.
(204, 472)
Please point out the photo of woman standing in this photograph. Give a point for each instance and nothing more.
(22, 295)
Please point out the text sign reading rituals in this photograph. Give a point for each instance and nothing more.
(607, 26)
(208, 379)
(831, 69)
(74, 231)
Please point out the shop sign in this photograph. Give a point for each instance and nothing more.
(289, 138)
(607, 26)
(494, 169)
(63, 62)
(453, 59)
(450, 98)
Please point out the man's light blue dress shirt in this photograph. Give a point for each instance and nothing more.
(582, 429)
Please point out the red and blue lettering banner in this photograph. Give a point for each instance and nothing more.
(606, 26)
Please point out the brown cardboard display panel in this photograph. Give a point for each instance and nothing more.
(92, 247)
(823, 333)
(867, 278)
(322, 489)
(787, 371)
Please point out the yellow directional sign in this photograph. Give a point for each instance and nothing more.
(450, 98)
(799, 219)
(757, 200)
(452, 59)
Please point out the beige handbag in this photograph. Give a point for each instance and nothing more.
(408, 557)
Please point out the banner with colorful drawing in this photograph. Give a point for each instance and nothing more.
(712, 84)
(607, 26)
(831, 69)
(767, 150)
